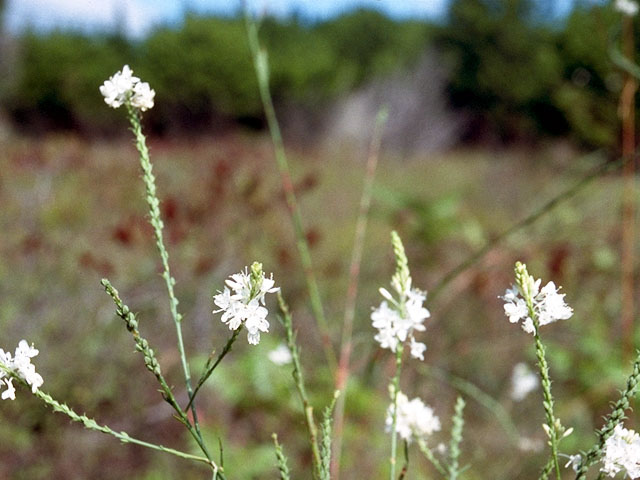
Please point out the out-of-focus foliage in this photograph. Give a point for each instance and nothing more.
(521, 77)
(515, 71)
(58, 77)
(590, 88)
(202, 69)
(505, 67)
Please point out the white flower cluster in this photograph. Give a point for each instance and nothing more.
(627, 7)
(523, 382)
(397, 320)
(548, 305)
(414, 419)
(245, 306)
(19, 365)
(622, 452)
(123, 87)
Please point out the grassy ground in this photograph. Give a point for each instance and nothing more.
(73, 213)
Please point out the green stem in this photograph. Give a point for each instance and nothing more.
(395, 385)
(262, 73)
(210, 367)
(302, 393)
(156, 222)
(124, 437)
(547, 400)
(431, 457)
(142, 346)
(456, 439)
(283, 468)
(546, 471)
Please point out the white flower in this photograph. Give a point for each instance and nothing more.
(123, 87)
(627, 7)
(19, 366)
(523, 382)
(10, 392)
(413, 420)
(574, 461)
(280, 355)
(142, 97)
(417, 349)
(622, 452)
(242, 302)
(547, 304)
(396, 320)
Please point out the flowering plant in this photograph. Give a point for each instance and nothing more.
(398, 319)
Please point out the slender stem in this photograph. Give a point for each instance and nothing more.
(124, 437)
(283, 468)
(530, 219)
(431, 457)
(395, 385)
(326, 427)
(262, 69)
(456, 438)
(342, 374)
(142, 345)
(546, 471)
(210, 367)
(547, 400)
(156, 222)
(302, 393)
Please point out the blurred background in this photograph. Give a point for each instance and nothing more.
(496, 107)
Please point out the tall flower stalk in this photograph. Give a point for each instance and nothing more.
(527, 302)
(123, 88)
(397, 319)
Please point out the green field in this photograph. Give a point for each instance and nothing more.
(72, 212)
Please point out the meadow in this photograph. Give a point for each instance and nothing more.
(73, 212)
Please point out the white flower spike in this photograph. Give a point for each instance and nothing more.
(18, 366)
(547, 304)
(398, 319)
(122, 87)
(242, 302)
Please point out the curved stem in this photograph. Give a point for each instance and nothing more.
(156, 222)
(547, 401)
(124, 437)
(428, 453)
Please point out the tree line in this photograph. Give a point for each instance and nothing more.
(515, 73)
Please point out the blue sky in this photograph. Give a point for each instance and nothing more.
(141, 15)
